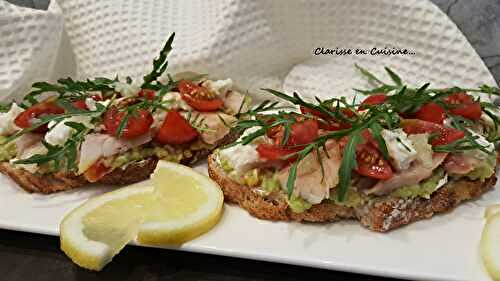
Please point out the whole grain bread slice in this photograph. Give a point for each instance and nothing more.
(379, 215)
(131, 173)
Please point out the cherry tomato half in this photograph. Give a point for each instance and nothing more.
(138, 123)
(328, 122)
(147, 93)
(431, 112)
(199, 97)
(442, 135)
(28, 117)
(464, 105)
(82, 104)
(274, 152)
(373, 100)
(301, 133)
(371, 163)
(176, 130)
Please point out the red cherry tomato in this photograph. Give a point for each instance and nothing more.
(368, 157)
(301, 133)
(82, 105)
(333, 126)
(329, 123)
(148, 94)
(138, 123)
(442, 135)
(371, 163)
(176, 130)
(369, 139)
(203, 105)
(464, 105)
(274, 152)
(27, 118)
(373, 100)
(199, 97)
(431, 112)
(313, 112)
(187, 87)
(96, 172)
(346, 111)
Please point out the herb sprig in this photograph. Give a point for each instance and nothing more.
(68, 89)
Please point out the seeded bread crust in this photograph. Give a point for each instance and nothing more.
(132, 173)
(380, 216)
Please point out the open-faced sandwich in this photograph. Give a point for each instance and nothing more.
(401, 155)
(67, 134)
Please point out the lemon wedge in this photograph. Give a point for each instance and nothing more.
(194, 206)
(491, 210)
(490, 246)
(178, 205)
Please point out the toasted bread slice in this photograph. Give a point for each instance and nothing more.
(131, 173)
(50, 183)
(41, 183)
(381, 216)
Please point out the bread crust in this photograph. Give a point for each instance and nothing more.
(132, 173)
(41, 183)
(381, 216)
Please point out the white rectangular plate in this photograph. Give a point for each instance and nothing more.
(443, 248)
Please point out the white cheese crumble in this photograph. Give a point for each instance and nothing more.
(176, 101)
(441, 182)
(127, 90)
(400, 148)
(7, 125)
(158, 119)
(483, 141)
(92, 104)
(240, 157)
(479, 154)
(59, 133)
(219, 87)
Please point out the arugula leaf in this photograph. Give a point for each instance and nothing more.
(371, 78)
(347, 164)
(376, 130)
(395, 78)
(292, 176)
(66, 154)
(159, 66)
(5, 107)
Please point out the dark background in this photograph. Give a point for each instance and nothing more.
(33, 257)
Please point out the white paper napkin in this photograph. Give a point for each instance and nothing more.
(29, 44)
(257, 43)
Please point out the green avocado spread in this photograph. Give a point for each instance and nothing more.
(138, 154)
(352, 198)
(423, 189)
(298, 205)
(7, 150)
(484, 170)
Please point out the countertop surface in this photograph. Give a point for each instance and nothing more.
(25, 256)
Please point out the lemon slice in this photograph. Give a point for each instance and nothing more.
(490, 246)
(97, 230)
(194, 206)
(491, 210)
(178, 205)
